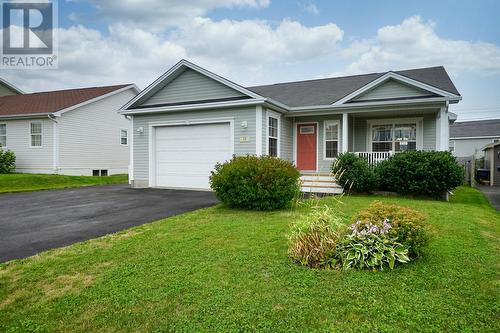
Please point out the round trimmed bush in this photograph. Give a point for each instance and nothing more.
(258, 183)
(421, 173)
(353, 172)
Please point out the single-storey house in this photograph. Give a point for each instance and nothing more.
(71, 132)
(190, 118)
(468, 138)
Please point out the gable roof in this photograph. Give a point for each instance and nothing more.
(52, 101)
(470, 129)
(330, 90)
(11, 86)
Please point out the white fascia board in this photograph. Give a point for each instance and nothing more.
(364, 105)
(476, 137)
(24, 116)
(186, 64)
(397, 77)
(98, 98)
(11, 86)
(188, 107)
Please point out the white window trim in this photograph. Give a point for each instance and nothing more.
(152, 138)
(41, 134)
(325, 123)
(394, 121)
(128, 137)
(272, 114)
(6, 142)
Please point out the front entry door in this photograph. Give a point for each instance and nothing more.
(307, 150)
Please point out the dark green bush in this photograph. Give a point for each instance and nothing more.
(7, 161)
(259, 183)
(354, 173)
(421, 173)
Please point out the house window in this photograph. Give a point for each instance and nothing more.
(394, 137)
(331, 139)
(124, 137)
(3, 135)
(36, 134)
(273, 136)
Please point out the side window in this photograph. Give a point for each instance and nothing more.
(35, 134)
(124, 137)
(331, 139)
(3, 135)
(273, 137)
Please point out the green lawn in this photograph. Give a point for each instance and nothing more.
(20, 182)
(222, 270)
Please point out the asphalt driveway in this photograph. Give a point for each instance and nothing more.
(32, 222)
(493, 195)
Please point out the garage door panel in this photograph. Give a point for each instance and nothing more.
(185, 155)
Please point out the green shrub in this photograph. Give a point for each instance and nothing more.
(407, 225)
(420, 173)
(7, 161)
(354, 173)
(259, 183)
(371, 249)
(313, 241)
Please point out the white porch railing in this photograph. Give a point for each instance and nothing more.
(375, 157)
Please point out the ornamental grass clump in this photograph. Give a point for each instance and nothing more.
(313, 241)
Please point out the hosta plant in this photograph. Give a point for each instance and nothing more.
(371, 247)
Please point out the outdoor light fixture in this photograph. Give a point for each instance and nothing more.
(244, 124)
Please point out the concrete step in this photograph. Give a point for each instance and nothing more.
(329, 190)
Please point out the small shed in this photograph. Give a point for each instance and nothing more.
(492, 162)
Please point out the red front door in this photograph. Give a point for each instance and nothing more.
(307, 150)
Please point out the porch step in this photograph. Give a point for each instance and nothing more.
(320, 183)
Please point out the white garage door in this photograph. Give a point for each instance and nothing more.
(185, 155)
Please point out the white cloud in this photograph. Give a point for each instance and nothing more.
(415, 43)
(311, 8)
(157, 15)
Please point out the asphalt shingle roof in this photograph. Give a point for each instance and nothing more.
(330, 90)
(50, 101)
(466, 129)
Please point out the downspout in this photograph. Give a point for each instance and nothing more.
(131, 150)
(55, 143)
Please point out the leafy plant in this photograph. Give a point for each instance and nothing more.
(258, 183)
(313, 240)
(407, 225)
(354, 173)
(7, 161)
(423, 173)
(372, 250)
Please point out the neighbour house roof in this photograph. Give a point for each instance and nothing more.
(491, 145)
(51, 101)
(470, 129)
(328, 91)
(11, 86)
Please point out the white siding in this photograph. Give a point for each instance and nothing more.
(89, 137)
(141, 140)
(469, 147)
(392, 89)
(191, 86)
(31, 160)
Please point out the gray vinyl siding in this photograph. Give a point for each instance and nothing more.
(469, 147)
(141, 140)
(6, 91)
(324, 166)
(89, 137)
(191, 86)
(286, 143)
(392, 89)
(31, 160)
(428, 132)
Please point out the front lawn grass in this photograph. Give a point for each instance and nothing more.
(21, 182)
(220, 270)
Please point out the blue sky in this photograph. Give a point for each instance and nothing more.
(264, 41)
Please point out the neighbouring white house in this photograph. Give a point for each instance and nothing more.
(71, 132)
(8, 89)
(468, 138)
(190, 118)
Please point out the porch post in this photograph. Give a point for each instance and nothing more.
(443, 126)
(345, 134)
